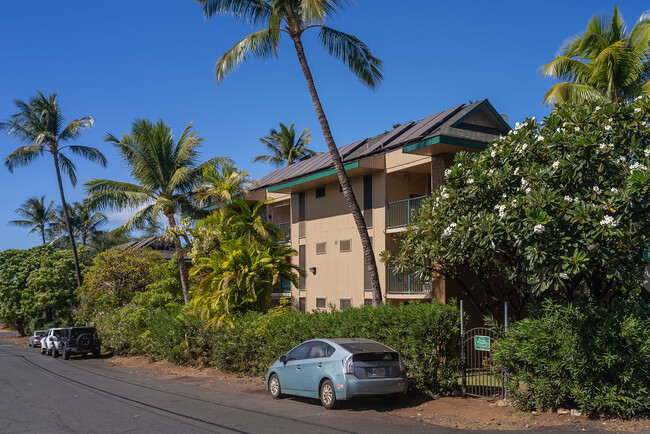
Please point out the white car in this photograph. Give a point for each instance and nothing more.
(50, 343)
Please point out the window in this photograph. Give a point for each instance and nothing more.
(345, 302)
(367, 199)
(302, 264)
(321, 303)
(367, 301)
(300, 352)
(321, 248)
(302, 305)
(301, 214)
(320, 191)
(320, 350)
(345, 245)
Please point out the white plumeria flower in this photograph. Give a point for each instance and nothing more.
(637, 110)
(540, 138)
(524, 183)
(470, 180)
(524, 146)
(493, 153)
(539, 228)
(621, 159)
(596, 189)
(528, 190)
(614, 190)
(514, 202)
(447, 172)
(504, 195)
(491, 171)
(597, 108)
(608, 220)
(577, 129)
(644, 123)
(608, 128)
(568, 198)
(564, 276)
(637, 166)
(516, 170)
(647, 152)
(459, 165)
(602, 147)
(556, 164)
(448, 230)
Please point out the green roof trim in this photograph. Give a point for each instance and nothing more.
(478, 107)
(312, 177)
(444, 139)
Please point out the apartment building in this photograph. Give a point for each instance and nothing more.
(391, 175)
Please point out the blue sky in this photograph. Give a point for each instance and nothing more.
(126, 59)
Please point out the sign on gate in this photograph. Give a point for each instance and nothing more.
(482, 343)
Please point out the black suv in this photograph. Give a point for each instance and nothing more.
(79, 340)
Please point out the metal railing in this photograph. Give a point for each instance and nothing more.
(400, 213)
(409, 284)
(286, 229)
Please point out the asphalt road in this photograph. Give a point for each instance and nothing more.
(42, 394)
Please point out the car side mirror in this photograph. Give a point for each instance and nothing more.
(283, 359)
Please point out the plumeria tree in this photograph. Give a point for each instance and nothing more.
(555, 209)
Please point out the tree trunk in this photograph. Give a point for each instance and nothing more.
(182, 266)
(67, 220)
(43, 232)
(348, 193)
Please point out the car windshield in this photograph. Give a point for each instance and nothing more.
(82, 331)
(41, 334)
(365, 347)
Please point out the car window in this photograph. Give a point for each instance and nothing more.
(40, 333)
(320, 350)
(56, 333)
(300, 352)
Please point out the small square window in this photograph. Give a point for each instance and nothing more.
(321, 303)
(345, 245)
(367, 301)
(345, 302)
(320, 191)
(321, 248)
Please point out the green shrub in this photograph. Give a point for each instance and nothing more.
(425, 334)
(591, 357)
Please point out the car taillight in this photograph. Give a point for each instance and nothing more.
(348, 365)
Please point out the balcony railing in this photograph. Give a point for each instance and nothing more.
(286, 229)
(400, 213)
(409, 284)
(285, 286)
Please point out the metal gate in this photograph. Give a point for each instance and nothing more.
(480, 376)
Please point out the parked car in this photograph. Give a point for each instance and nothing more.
(50, 342)
(79, 340)
(333, 370)
(35, 338)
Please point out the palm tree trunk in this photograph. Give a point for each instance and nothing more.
(67, 220)
(182, 266)
(348, 193)
(43, 232)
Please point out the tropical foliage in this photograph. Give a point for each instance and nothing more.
(284, 147)
(166, 172)
(39, 123)
(238, 263)
(86, 225)
(294, 18)
(545, 211)
(604, 63)
(36, 215)
(222, 182)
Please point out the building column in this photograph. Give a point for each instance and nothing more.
(440, 163)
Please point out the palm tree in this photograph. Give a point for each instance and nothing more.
(85, 223)
(604, 63)
(294, 17)
(166, 172)
(36, 215)
(39, 123)
(222, 182)
(284, 147)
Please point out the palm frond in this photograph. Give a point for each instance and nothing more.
(261, 44)
(317, 11)
(68, 168)
(89, 153)
(104, 194)
(23, 156)
(354, 53)
(572, 92)
(254, 12)
(73, 130)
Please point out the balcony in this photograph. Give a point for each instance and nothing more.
(409, 284)
(286, 229)
(400, 213)
(285, 287)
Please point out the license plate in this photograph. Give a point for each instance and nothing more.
(379, 372)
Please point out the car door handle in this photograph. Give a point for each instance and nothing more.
(320, 364)
(298, 367)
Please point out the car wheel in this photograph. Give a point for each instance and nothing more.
(328, 395)
(85, 341)
(274, 387)
(42, 350)
(49, 351)
(29, 344)
(66, 354)
(55, 353)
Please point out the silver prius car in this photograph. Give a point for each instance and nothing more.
(333, 370)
